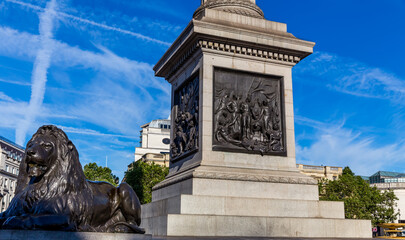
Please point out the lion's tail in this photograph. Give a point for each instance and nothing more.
(134, 228)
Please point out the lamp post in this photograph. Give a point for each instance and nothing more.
(399, 217)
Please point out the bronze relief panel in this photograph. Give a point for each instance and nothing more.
(185, 119)
(248, 113)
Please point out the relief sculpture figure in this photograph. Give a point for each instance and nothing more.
(53, 194)
(186, 125)
(247, 114)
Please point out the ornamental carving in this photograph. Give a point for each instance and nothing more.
(248, 113)
(241, 7)
(186, 125)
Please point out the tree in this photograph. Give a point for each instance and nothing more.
(93, 172)
(143, 176)
(361, 201)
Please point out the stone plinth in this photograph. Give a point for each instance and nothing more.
(233, 170)
(49, 235)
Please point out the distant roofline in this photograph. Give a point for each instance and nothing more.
(387, 174)
(318, 165)
(12, 143)
(365, 178)
(155, 120)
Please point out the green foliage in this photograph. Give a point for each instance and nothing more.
(93, 172)
(361, 200)
(143, 176)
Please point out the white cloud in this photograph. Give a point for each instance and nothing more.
(2, 6)
(62, 15)
(40, 71)
(122, 109)
(355, 78)
(91, 132)
(335, 145)
(118, 98)
(12, 112)
(6, 98)
(15, 82)
(25, 46)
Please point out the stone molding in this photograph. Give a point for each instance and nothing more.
(254, 178)
(233, 48)
(245, 8)
(174, 180)
(237, 177)
(387, 186)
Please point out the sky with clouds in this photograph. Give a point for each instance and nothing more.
(86, 66)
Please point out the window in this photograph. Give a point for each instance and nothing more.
(6, 168)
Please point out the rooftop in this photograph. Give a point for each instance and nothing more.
(157, 123)
(11, 143)
(388, 174)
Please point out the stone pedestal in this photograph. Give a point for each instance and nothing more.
(233, 170)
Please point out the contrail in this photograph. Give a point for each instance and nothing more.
(40, 71)
(106, 27)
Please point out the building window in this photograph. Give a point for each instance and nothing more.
(6, 168)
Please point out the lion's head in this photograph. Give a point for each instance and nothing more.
(50, 157)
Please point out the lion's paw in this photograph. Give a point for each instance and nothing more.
(17, 223)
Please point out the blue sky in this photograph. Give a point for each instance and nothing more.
(86, 66)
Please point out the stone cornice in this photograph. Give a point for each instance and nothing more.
(2, 172)
(273, 46)
(236, 177)
(277, 55)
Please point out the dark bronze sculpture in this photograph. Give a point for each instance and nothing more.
(53, 194)
(186, 119)
(248, 113)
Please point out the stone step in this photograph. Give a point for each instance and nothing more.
(232, 206)
(239, 188)
(243, 226)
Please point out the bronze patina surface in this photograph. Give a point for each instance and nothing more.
(248, 113)
(53, 194)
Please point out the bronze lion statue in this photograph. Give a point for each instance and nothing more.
(52, 192)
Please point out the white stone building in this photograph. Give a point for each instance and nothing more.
(11, 155)
(321, 172)
(395, 181)
(155, 138)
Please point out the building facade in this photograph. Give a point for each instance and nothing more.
(320, 172)
(161, 159)
(387, 177)
(11, 155)
(155, 142)
(384, 180)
